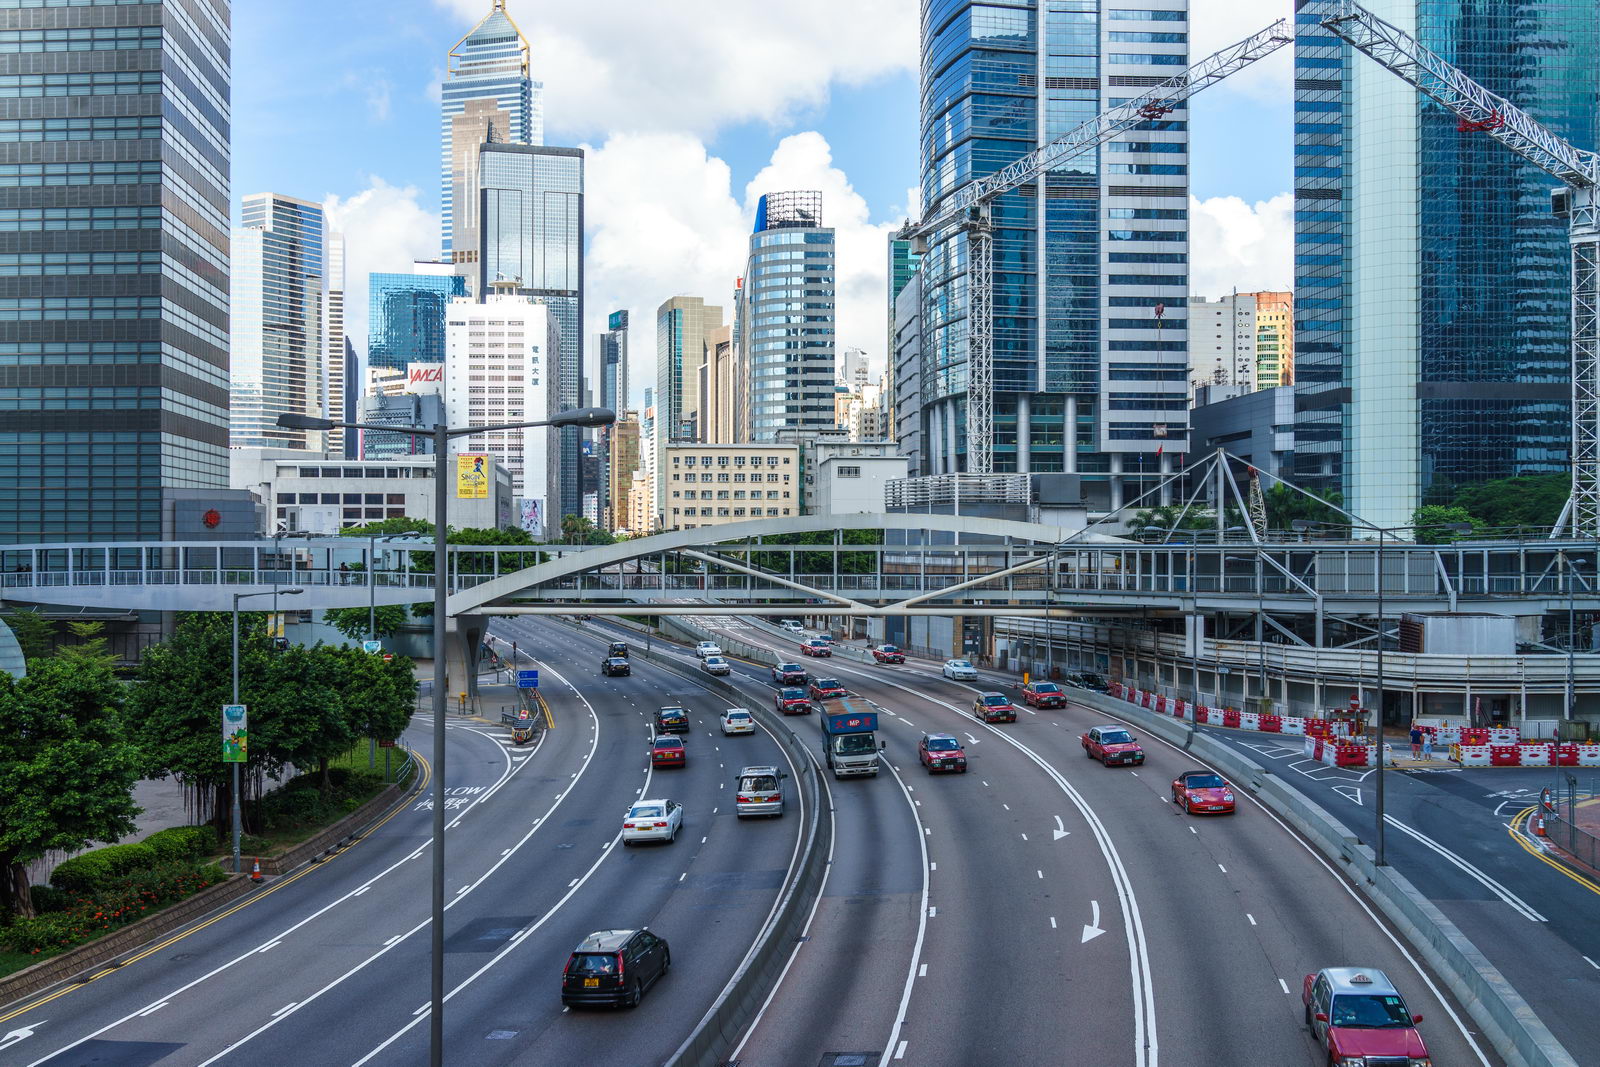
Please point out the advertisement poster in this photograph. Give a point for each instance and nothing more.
(530, 518)
(472, 477)
(235, 734)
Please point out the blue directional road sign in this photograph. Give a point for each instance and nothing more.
(527, 679)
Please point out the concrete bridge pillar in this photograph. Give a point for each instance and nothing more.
(462, 646)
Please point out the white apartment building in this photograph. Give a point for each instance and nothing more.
(712, 485)
(851, 477)
(500, 366)
(1222, 341)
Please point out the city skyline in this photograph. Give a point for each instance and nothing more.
(687, 163)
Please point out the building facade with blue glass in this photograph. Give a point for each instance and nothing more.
(487, 95)
(1090, 263)
(114, 235)
(406, 316)
(1431, 280)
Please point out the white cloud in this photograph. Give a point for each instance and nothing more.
(1216, 24)
(698, 65)
(385, 229)
(1235, 245)
(665, 221)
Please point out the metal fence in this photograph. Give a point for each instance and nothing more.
(1561, 803)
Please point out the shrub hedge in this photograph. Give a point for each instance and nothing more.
(118, 902)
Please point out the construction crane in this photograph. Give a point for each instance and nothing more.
(969, 209)
(1477, 110)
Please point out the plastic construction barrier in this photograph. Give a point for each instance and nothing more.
(1504, 756)
(1272, 724)
(1532, 754)
(1292, 724)
(1249, 720)
(1470, 755)
(1587, 755)
(1504, 735)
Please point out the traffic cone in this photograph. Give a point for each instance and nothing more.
(1538, 825)
(255, 870)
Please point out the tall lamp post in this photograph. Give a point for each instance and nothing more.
(1572, 627)
(441, 435)
(274, 593)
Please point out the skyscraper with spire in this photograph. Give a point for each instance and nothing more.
(487, 96)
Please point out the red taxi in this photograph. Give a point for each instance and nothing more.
(888, 654)
(1112, 745)
(1357, 1015)
(792, 701)
(817, 646)
(1203, 792)
(828, 689)
(668, 751)
(1044, 695)
(789, 674)
(994, 707)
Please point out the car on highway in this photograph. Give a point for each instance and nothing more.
(614, 665)
(792, 701)
(942, 752)
(614, 967)
(759, 792)
(1044, 695)
(960, 670)
(817, 647)
(652, 820)
(1112, 746)
(1092, 682)
(888, 654)
(618, 648)
(672, 720)
(828, 689)
(1203, 791)
(716, 665)
(667, 751)
(790, 674)
(792, 625)
(1359, 1017)
(994, 707)
(738, 721)
(707, 648)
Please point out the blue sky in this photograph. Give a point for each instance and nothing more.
(348, 110)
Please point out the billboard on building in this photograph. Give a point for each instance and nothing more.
(530, 516)
(618, 320)
(472, 476)
(425, 378)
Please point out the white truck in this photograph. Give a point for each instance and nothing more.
(850, 744)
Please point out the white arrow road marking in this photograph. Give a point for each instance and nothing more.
(1349, 792)
(972, 740)
(18, 1036)
(1058, 833)
(1093, 930)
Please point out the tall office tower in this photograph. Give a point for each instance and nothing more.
(1222, 341)
(1432, 294)
(114, 337)
(1090, 263)
(613, 347)
(352, 398)
(904, 415)
(621, 465)
(853, 369)
(1274, 339)
(487, 95)
(787, 321)
(682, 325)
(647, 505)
(278, 364)
(406, 317)
(714, 411)
(499, 354)
(903, 262)
(333, 342)
(531, 242)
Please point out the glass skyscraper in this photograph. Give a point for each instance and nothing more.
(531, 242)
(406, 316)
(1090, 264)
(278, 303)
(487, 96)
(786, 315)
(114, 205)
(1432, 289)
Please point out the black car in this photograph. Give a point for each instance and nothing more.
(672, 721)
(614, 665)
(614, 967)
(790, 674)
(619, 648)
(1092, 681)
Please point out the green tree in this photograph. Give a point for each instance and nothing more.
(91, 646)
(35, 633)
(579, 530)
(352, 622)
(1286, 504)
(379, 697)
(1436, 515)
(299, 718)
(388, 528)
(67, 766)
(1529, 503)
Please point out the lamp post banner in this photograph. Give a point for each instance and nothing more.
(472, 477)
(235, 734)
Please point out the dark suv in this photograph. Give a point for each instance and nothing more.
(672, 721)
(614, 967)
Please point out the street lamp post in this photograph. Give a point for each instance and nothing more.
(1572, 628)
(441, 442)
(274, 593)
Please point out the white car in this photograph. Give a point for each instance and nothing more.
(792, 626)
(960, 670)
(652, 820)
(707, 648)
(716, 665)
(738, 721)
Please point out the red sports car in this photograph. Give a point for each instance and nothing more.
(1202, 792)
(668, 751)
(828, 689)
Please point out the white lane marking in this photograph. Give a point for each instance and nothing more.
(702, 840)
(900, 1053)
(1591, 963)
(682, 876)
(926, 829)
(1052, 922)
(572, 883)
(1003, 804)
(583, 769)
(283, 1009)
(1093, 930)
(1221, 868)
(275, 944)
(1039, 873)
(973, 740)
(392, 940)
(1517, 903)
(933, 866)
(148, 1011)
(1193, 831)
(1060, 831)
(1285, 986)
(1252, 919)
(1024, 837)
(922, 921)
(933, 913)
(986, 785)
(922, 972)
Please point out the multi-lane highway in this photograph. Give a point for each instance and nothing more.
(1039, 908)
(331, 966)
